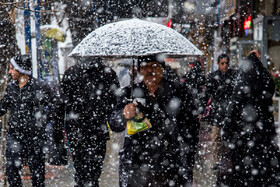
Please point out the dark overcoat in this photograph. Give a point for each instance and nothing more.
(249, 132)
(195, 80)
(29, 107)
(219, 87)
(87, 98)
(153, 156)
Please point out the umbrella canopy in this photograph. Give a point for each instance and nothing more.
(133, 38)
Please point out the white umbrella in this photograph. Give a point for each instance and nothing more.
(133, 38)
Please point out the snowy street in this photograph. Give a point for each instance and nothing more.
(63, 176)
(150, 93)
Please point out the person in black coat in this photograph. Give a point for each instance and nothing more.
(162, 154)
(218, 89)
(29, 103)
(219, 85)
(195, 80)
(87, 98)
(249, 132)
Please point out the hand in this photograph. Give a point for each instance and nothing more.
(199, 117)
(129, 111)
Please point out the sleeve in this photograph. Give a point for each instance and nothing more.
(110, 97)
(58, 120)
(59, 107)
(232, 112)
(188, 127)
(270, 85)
(116, 121)
(236, 99)
(7, 101)
(48, 100)
(67, 84)
(208, 92)
(188, 118)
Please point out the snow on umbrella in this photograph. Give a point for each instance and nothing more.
(133, 38)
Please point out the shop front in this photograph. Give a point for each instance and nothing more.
(267, 31)
(240, 48)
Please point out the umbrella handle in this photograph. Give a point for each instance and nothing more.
(132, 81)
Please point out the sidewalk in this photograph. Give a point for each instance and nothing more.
(58, 176)
(110, 172)
(63, 176)
(203, 175)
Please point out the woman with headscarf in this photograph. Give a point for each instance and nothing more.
(252, 155)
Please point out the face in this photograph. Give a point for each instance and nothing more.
(14, 73)
(152, 73)
(223, 65)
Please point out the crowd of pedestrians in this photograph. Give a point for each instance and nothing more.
(164, 112)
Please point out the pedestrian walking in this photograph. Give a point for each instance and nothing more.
(194, 77)
(249, 130)
(28, 102)
(159, 155)
(195, 80)
(87, 98)
(218, 90)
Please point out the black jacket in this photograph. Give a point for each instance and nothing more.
(29, 107)
(157, 148)
(219, 87)
(87, 98)
(195, 80)
(249, 130)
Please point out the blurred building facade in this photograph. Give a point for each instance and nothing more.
(234, 27)
(214, 26)
(246, 25)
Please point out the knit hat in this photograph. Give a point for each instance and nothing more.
(22, 63)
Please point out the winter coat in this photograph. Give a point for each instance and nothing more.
(154, 154)
(219, 87)
(170, 75)
(29, 107)
(87, 98)
(195, 80)
(249, 133)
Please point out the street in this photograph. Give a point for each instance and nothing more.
(63, 176)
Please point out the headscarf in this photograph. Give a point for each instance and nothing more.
(253, 73)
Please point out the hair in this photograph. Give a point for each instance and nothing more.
(223, 56)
